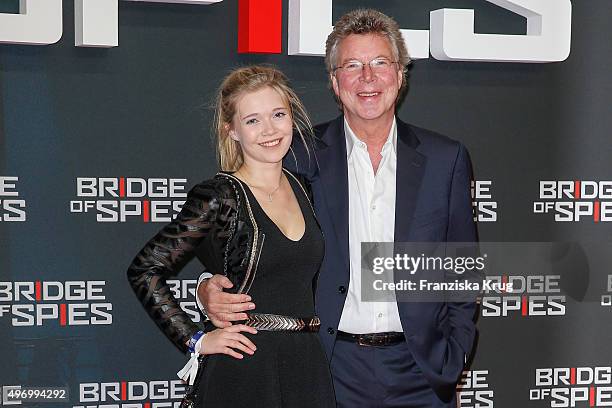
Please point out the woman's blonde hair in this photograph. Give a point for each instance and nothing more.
(245, 80)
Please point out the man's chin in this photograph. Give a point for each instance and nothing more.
(369, 115)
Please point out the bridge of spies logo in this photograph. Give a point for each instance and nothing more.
(121, 198)
(473, 390)
(573, 386)
(184, 292)
(69, 303)
(12, 208)
(483, 205)
(131, 394)
(575, 201)
(535, 295)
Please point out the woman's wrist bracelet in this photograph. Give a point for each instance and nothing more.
(194, 339)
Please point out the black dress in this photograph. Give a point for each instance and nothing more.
(288, 369)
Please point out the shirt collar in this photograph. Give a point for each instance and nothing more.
(352, 140)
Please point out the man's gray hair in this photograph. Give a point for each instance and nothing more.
(368, 21)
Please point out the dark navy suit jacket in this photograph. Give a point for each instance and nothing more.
(433, 204)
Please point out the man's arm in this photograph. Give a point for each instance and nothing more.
(221, 308)
(461, 228)
(203, 276)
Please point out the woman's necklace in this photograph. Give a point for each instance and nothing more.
(270, 194)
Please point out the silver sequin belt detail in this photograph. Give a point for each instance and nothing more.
(273, 322)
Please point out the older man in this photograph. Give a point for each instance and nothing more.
(379, 179)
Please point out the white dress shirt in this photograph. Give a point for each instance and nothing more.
(371, 219)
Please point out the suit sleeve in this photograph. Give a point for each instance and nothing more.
(301, 158)
(166, 253)
(462, 228)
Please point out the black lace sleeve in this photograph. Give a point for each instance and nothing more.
(167, 252)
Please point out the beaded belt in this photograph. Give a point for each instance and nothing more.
(373, 339)
(273, 322)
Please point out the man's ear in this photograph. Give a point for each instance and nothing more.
(334, 83)
(400, 80)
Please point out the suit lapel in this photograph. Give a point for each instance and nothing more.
(334, 179)
(410, 171)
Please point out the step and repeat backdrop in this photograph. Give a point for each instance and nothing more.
(105, 124)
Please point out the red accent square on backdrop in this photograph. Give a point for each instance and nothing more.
(260, 26)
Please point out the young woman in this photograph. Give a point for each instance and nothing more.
(254, 223)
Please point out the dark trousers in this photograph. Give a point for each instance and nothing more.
(369, 376)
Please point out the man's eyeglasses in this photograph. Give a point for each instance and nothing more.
(376, 65)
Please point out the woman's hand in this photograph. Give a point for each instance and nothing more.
(228, 340)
